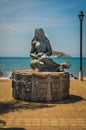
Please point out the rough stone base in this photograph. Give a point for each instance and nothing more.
(40, 86)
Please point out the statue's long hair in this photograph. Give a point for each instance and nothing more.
(41, 33)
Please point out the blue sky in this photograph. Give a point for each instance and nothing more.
(58, 18)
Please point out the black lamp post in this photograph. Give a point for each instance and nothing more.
(81, 15)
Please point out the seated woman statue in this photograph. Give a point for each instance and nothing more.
(40, 52)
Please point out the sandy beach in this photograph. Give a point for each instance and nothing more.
(69, 114)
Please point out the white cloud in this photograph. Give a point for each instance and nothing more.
(23, 24)
(26, 24)
(14, 28)
(12, 6)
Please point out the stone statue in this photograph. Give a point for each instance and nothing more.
(40, 52)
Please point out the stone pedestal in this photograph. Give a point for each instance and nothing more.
(40, 86)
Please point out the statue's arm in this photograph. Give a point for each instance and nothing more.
(33, 56)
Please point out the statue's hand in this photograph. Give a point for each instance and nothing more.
(40, 54)
(34, 56)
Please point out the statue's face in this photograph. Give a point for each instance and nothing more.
(39, 33)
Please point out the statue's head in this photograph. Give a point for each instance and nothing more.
(39, 34)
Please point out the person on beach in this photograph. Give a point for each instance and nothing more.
(1, 73)
(40, 52)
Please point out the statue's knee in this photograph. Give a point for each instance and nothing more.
(33, 64)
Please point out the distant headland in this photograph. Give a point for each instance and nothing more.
(60, 54)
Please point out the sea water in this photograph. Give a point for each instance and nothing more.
(9, 64)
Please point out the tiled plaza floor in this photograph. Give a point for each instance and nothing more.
(63, 115)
